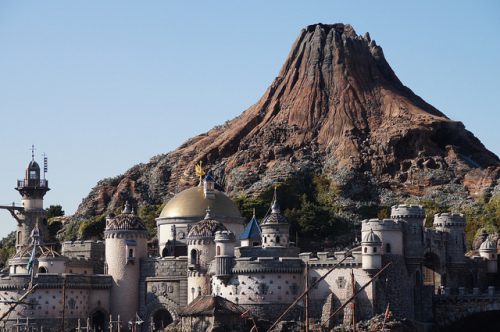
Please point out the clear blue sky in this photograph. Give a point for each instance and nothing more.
(102, 85)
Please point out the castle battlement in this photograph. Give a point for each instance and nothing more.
(380, 225)
(407, 211)
(328, 259)
(449, 219)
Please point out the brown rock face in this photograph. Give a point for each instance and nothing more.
(337, 108)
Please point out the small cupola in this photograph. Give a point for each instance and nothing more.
(209, 186)
(488, 250)
(127, 208)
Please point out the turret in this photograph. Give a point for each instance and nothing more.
(209, 186)
(488, 250)
(201, 252)
(224, 253)
(126, 245)
(275, 228)
(412, 219)
(454, 225)
(370, 251)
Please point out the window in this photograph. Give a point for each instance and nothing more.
(218, 251)
(428, 276)
(33, 175)
(388, 248)
(194, 256)
(42, 269)
(131, 253)
(277, 239)
(265, 239)
(365, 250)
(374, 249)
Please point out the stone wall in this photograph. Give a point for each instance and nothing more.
(92, 251)
(162, 285)
(394, 287)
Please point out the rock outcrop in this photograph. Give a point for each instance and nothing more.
(335, 108)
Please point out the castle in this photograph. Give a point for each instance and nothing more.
(207, 252)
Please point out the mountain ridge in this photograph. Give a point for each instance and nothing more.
(336, 108)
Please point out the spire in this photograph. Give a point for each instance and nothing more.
(208, 216)
(127, 208)
(275, 207)
(33, 152)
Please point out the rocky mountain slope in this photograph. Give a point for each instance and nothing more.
(336, 108)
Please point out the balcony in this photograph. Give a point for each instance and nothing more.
(42, 183)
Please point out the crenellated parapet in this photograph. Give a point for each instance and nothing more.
(329, 259)
(380, 225)
(447, 220)
(407, 211)
(268, 265)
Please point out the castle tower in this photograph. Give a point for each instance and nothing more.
(32, 189)
(275, 228)
(126, 245)
(224, 253)
(454, 225)
(412, 219)
(488, 250)
(201, 252)
(371, 256)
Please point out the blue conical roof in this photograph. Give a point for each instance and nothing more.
(251, 231)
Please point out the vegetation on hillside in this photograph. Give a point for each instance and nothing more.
(316, 222)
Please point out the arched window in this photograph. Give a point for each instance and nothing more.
(218, 251)
(194, 256)
(277, 239)
(387, 248)
(265, 239)
(42, 269)
(365, 250)
(131, 253)
(374, 249)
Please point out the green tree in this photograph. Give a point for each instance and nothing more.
(54, 211)
(148, 214)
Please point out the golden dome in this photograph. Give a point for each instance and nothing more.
(193, 203)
